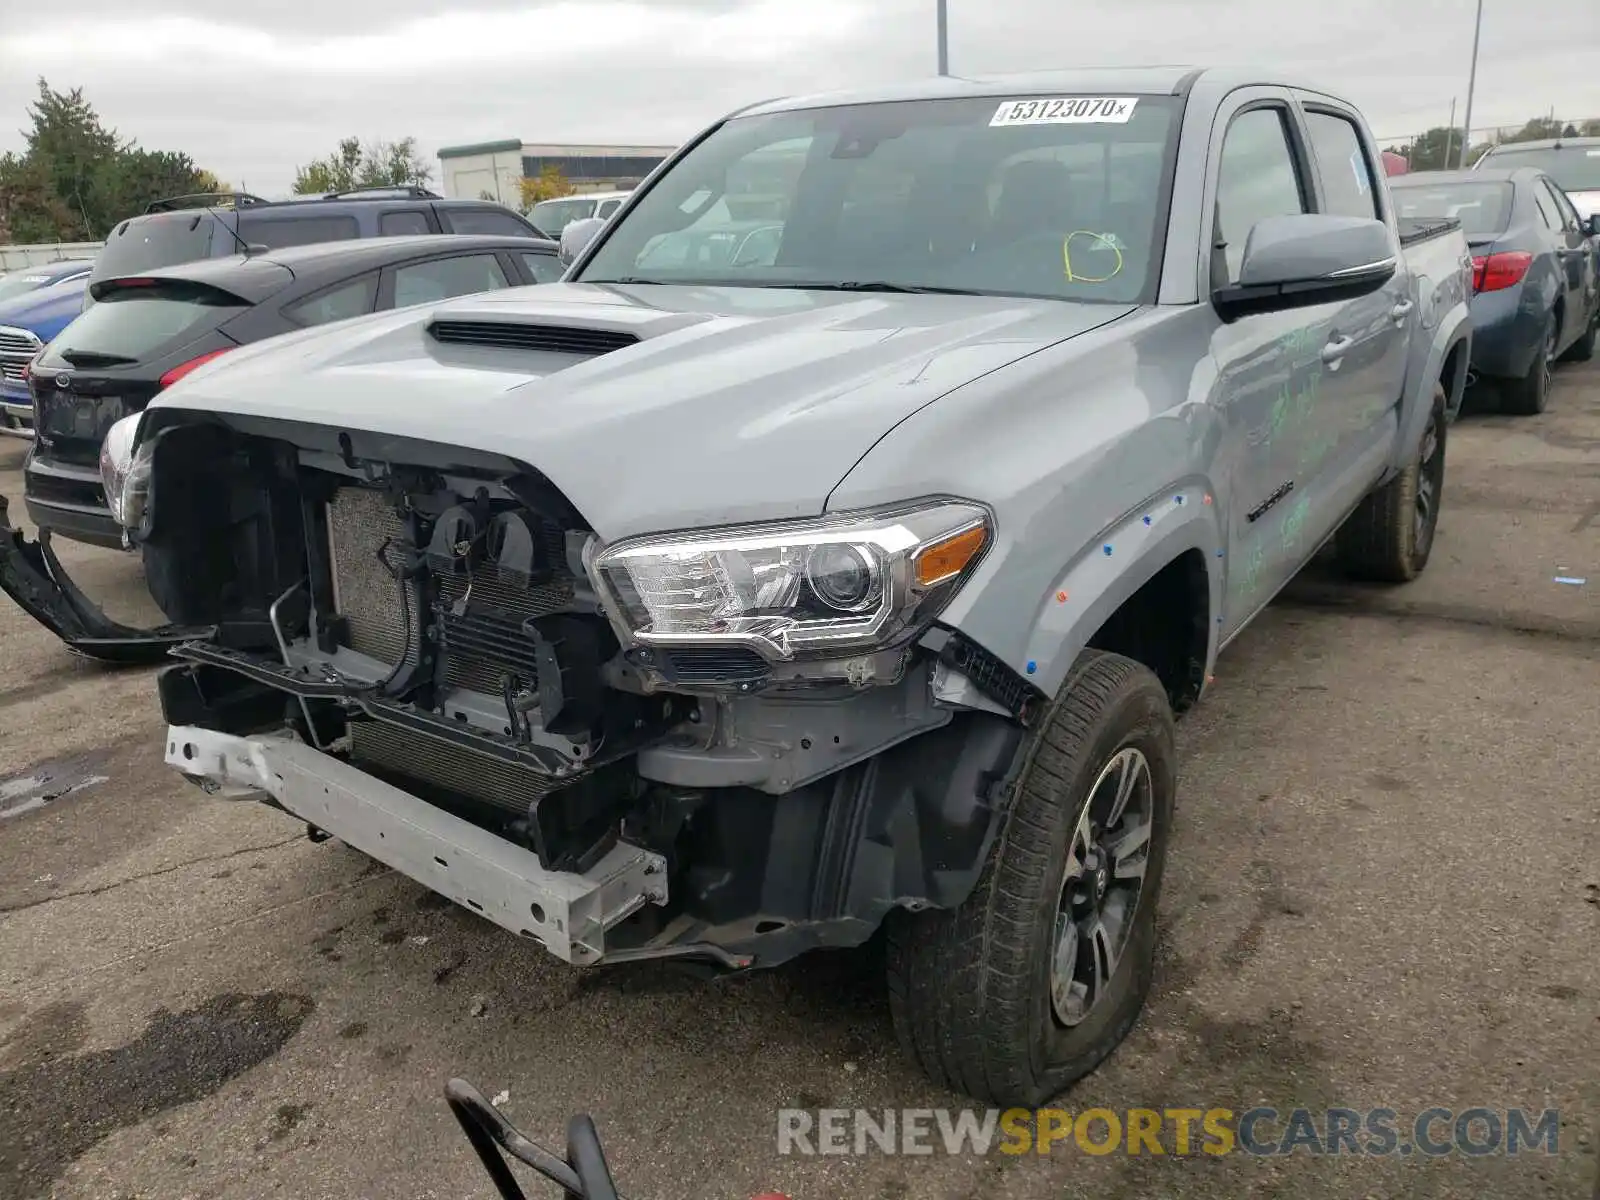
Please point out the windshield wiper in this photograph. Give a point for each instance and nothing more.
(627, 280)
(93, 358)
(872, 285)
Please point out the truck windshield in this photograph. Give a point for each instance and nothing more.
(1060, 197)
(1482, 208)
(1575, 167)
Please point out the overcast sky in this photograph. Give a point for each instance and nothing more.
(251, 94)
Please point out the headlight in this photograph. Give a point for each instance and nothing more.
(125, 474)
(795, 589)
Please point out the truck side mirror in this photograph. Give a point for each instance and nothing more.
(1306, 259)
(577, 235)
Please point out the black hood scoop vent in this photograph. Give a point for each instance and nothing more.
(553, 339)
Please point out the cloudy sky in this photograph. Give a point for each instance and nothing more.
(251, 94)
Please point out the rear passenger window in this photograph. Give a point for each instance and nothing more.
(402, 224)
(545, 268)
(484, 220)
(1257, 179)
(1566, 216)
(296, 231)
(338, 303)
(1347, 180)
(442, 278)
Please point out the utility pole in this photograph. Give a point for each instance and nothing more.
(1450, 134)
(944, 38)
(1472, 84)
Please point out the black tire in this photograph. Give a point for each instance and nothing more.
(1528, 396)
(970, 989)
(1582, 350)
(1389, 538)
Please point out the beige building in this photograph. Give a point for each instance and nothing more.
(493, 168)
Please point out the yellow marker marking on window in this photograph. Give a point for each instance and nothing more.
(1102, 239)
(947, 559)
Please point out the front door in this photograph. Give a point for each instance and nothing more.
(1267, 365)
(1576, 261)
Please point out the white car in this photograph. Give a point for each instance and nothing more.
(552, 216)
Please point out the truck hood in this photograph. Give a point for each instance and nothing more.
(44, 312)
(733, 404)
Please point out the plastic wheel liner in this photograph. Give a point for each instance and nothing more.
(31, 575)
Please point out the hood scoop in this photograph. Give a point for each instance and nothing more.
(555, 339)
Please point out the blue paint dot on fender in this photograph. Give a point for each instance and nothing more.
(1219, 553)
(1177, 499)
(1107, 549)
(1147, 520)
(1032, 666)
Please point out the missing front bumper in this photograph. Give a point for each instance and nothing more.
(31, 575)
(568, 913)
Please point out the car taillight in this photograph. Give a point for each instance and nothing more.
(1494, 272)
(178, 372)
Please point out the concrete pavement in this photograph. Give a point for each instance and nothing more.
(1384, 890)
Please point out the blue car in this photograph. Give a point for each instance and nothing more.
(21, 280)
(27, 322)
(1536, 295)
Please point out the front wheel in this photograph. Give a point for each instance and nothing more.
(1033, 981)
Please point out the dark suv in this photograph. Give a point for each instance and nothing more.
(219, 224)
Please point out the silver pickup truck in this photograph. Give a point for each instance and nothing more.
(733, 609)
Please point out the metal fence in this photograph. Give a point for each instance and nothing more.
(13, 257)
(1483, 136)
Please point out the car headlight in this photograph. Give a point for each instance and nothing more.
(125, 472)
(796, 588)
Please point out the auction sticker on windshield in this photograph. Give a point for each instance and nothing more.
(1066, 110)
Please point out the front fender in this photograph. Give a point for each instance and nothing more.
(1124, 557)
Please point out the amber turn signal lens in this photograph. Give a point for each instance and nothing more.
(947, 559)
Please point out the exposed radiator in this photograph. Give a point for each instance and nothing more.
(463, 772)
(480, 646)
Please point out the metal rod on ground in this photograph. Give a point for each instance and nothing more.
(944, 38)
(1472, 84)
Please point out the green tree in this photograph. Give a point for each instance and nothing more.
(1536, 130)
(354, 165)
(548, 184)
(77, 177)
(1437, 149)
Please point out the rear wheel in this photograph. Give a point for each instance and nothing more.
(1038, 977)
(1527, 396)
(1390, 535)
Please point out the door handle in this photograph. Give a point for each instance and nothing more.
(1335, 350)
(1399, 311)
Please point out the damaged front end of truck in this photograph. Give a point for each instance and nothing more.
(732, 745)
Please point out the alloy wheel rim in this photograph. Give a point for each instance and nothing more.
(1430, 472)
(1102, 885)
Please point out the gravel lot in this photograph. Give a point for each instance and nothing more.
(1384, 891)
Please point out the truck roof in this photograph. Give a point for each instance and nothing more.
(1169, 80)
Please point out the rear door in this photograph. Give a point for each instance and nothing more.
(1363, 360)
(1265, 364)
(1576, 261)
